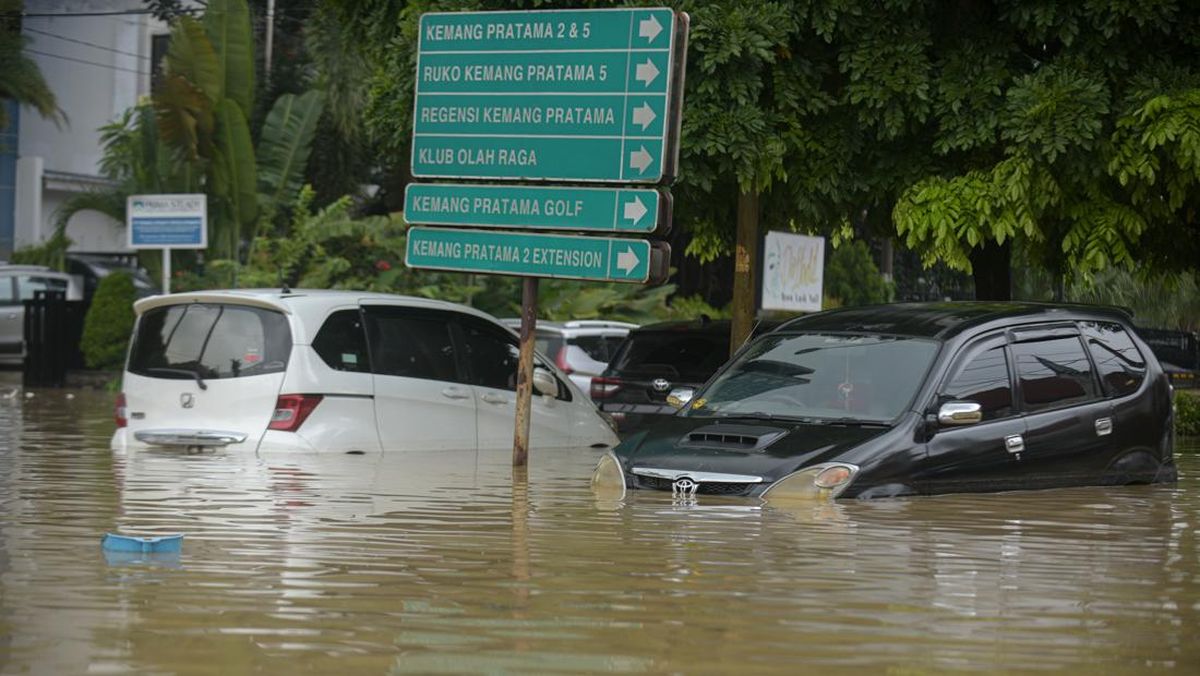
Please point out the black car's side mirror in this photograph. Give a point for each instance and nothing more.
(955, 413)
(680, 396)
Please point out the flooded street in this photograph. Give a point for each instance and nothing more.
(432, 563)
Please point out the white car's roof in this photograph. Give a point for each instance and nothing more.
(309, 306)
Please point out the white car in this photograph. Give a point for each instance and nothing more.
(334, 371)
(580, 348)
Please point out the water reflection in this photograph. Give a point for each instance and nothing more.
(435, 563)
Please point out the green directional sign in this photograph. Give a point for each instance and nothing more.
(537, 255)
(571, 95)
(537, 207)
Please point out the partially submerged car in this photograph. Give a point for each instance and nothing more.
(334, 371)
(916, 399)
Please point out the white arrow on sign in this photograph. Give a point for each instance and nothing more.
(646, 72)
(644, 115)
(640, 160)
(627, 260)
(649, 28)
(635, 210)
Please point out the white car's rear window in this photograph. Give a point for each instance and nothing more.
(210, 340)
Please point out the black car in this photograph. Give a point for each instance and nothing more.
(916, 399)
(655, 359)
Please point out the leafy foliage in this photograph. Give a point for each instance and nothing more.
(851, 277)
(1187, 413)
(20, 78)
(109, 322)
(1071, 127)
(287, 137)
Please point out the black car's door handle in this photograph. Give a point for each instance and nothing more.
(1014, 443)
(1104, 427)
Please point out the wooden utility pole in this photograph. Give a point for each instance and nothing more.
(745, 257)
(529, 294)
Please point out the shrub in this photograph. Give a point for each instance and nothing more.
(108, 323)
(851, 277)
(1187, 413)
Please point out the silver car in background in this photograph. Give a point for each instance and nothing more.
(580, 348)
(18, 283)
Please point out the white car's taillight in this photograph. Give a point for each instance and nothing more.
(120, 411)
(291, 410)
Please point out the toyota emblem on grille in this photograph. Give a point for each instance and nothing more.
(186, 400)
(661, 384)
(684, 487)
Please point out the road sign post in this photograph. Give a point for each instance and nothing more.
(598, 259)
(599, 210)
(575, 96)
(567, 95)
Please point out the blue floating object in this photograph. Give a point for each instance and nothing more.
(127, 543)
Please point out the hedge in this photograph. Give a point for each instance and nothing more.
(108, 323)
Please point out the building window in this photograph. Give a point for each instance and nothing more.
(158, 54)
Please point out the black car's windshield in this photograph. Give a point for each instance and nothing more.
(820, 376)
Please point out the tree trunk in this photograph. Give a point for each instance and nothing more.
(992, 269)
(745, 258)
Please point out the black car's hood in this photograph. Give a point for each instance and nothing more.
(765, 448)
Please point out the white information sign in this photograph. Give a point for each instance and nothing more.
(167, 221)
(793, 272)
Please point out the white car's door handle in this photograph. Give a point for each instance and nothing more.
(495, 398)
(455, 393)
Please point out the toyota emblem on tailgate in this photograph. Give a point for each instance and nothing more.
(187, 400)
(661, 384)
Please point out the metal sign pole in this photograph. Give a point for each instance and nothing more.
(166, 270)
(529, 294)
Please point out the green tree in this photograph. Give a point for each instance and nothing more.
(956, 126)
(20, 78)
(195, 136)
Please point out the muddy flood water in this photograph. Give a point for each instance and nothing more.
(433, 563)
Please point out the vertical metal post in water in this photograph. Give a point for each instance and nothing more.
(529, 293)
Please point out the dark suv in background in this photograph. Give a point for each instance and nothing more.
(655, 359)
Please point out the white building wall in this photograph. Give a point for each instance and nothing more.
(97, 66)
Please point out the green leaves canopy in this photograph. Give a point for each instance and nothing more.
(1068, 125)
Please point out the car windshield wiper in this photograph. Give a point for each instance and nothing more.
(847, 420)
(182, 372)
(763, 415)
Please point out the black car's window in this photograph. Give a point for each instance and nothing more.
(682, 354)
(410, 344)
(342, 344)
(1122, 368)
(210, 340)
(28, 285)
(861, 377)
(1053, 373)
(984, 379)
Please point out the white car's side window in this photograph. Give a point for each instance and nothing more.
(411, 344)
